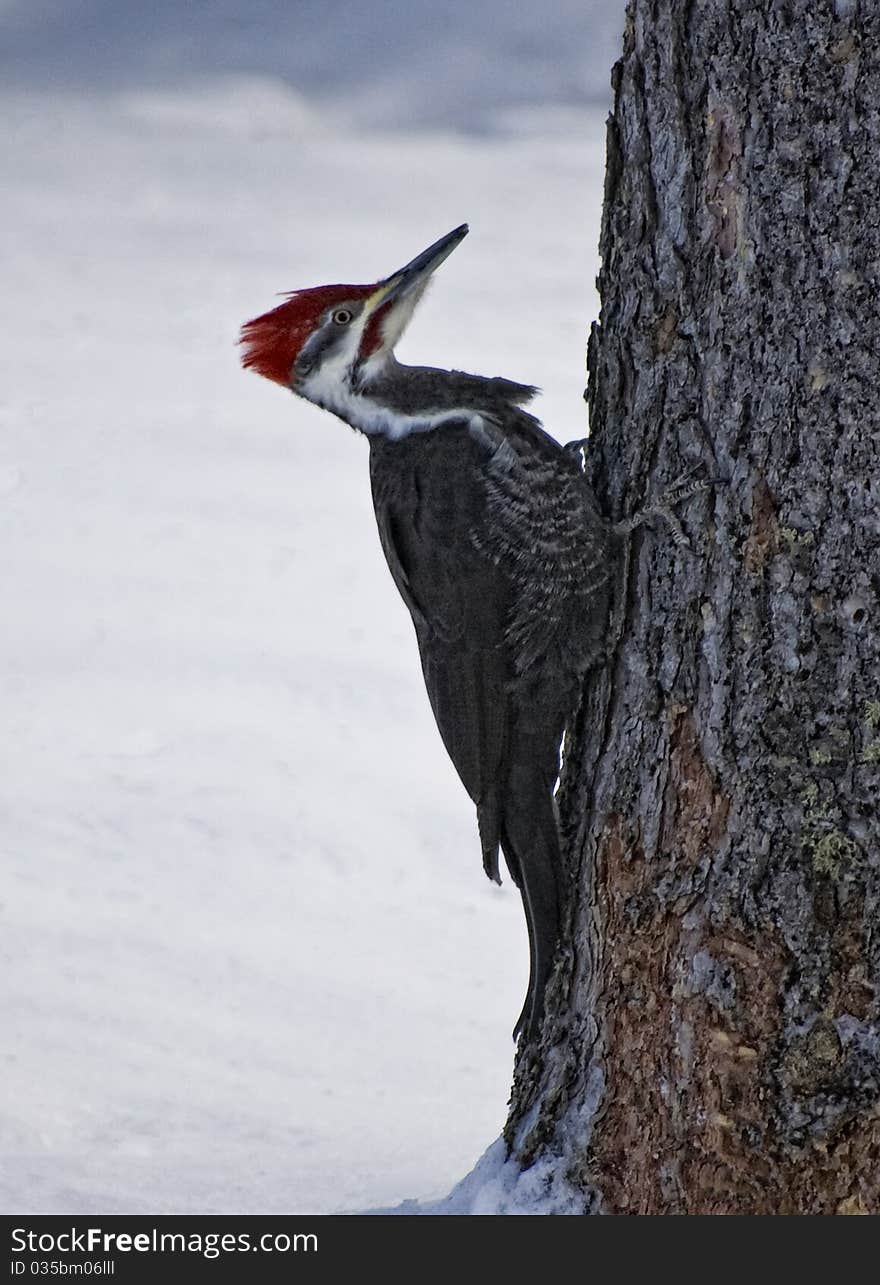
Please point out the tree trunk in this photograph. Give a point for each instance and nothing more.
(714, 1035)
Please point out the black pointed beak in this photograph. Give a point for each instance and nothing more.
(416, 273)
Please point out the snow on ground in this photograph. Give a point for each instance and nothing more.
(250, 960)
(496, 1185)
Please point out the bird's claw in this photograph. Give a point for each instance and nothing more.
(681, 489)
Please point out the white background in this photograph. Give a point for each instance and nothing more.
(250, 961)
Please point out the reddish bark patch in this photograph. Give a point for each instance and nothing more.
(693, 1073)
(684, 1123)
(762, 541)
(665, 332)
(725, 196)
(694, 811)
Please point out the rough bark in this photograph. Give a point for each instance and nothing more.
(715, 1035)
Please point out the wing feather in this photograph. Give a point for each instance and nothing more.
(428, 496)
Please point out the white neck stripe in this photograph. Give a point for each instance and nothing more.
(328, 391)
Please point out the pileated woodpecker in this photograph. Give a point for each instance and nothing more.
(496, 544)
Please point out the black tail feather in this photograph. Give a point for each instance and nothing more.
(530, 841)
(489, 823)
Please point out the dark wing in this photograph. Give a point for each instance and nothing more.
(429, 496)
(544, 525)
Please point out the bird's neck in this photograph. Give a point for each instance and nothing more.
(362, 404)
(393, 401)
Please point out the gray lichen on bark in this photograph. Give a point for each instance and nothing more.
(715, 1033)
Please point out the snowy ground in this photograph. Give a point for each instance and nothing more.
(250, 960)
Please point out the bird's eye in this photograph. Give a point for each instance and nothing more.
(342, 316)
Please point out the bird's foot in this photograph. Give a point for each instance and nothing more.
(681, 489)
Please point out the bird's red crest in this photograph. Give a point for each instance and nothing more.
(272, 343)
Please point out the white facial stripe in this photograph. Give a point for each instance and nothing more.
(347, 341)
(326, 389)
(330, 387)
